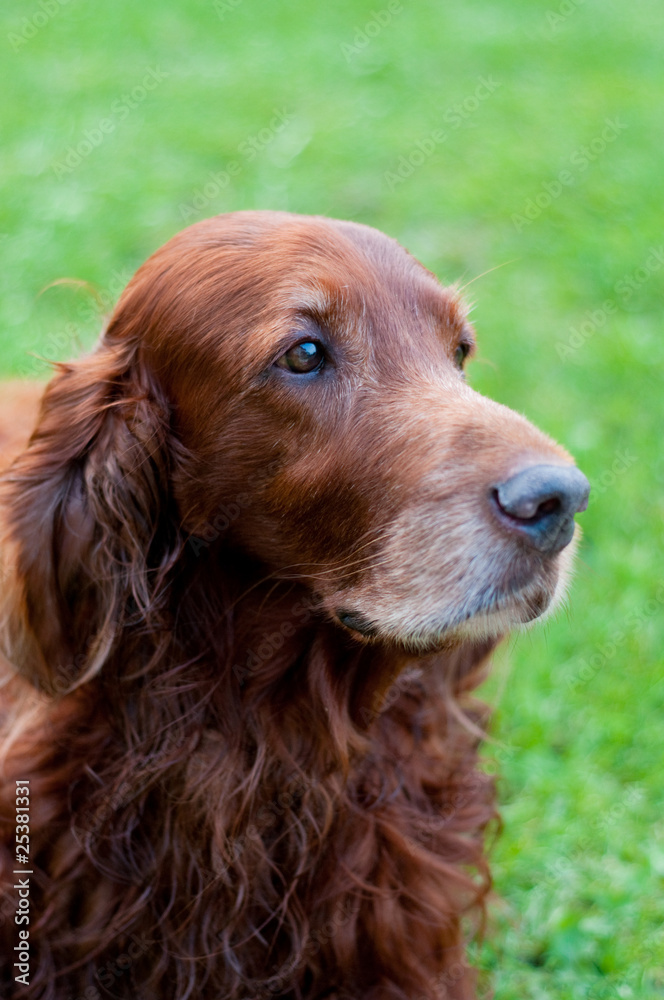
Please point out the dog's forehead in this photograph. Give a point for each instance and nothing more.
(347, 269)
(233, 287)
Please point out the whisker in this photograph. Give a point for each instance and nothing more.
(490, 270)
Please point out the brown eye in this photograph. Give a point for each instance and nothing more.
(306, 357)
(461, 353)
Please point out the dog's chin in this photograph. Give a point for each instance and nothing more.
(435, 635)
(420, 628)
(495, 623)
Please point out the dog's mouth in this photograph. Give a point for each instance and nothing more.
(422, 612)
(489, 617)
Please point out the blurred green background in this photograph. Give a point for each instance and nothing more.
(515, 145)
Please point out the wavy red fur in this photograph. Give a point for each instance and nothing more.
(232, 795)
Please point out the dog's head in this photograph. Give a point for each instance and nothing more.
(314, 374)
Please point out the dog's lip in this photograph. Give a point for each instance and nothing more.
(521, 608)
(526, 607)
(536, 605)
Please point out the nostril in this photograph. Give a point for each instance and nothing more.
(526, 508)
(549, 506)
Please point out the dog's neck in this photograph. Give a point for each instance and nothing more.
(270, 630)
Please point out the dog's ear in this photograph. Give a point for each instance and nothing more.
(89, 536)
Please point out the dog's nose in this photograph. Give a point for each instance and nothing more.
(540, 503)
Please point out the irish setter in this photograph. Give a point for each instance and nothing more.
(255, 556)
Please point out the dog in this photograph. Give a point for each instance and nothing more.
(255, 557)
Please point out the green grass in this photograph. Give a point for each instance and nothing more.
(580, 702)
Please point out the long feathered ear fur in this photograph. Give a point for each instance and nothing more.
(89, 535)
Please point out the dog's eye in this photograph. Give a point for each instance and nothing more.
(460, 354)
(306, 357)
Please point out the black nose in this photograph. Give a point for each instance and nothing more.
(540, 503)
